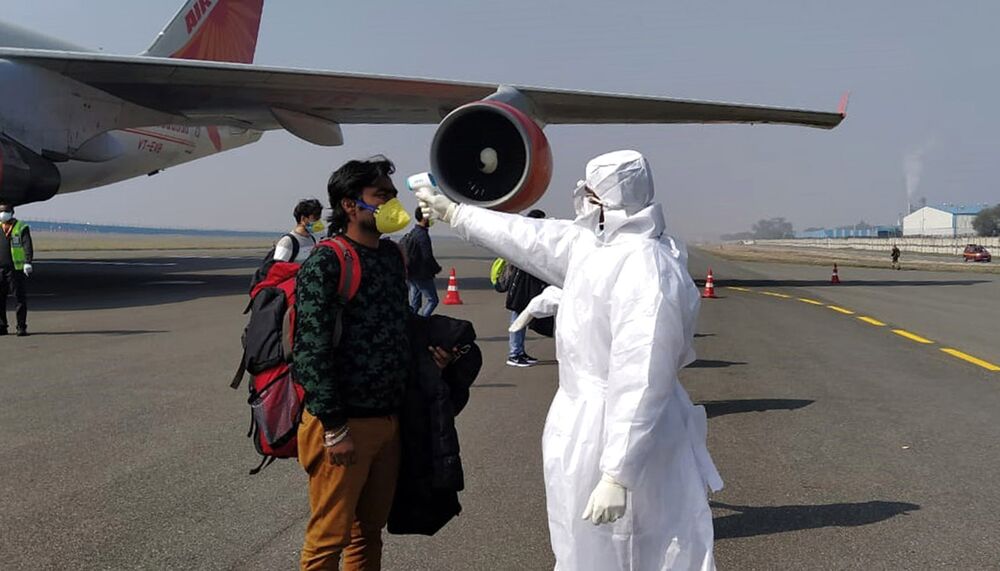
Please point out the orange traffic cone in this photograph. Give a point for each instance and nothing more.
(709, 286)
(452, 297)
(835, 278)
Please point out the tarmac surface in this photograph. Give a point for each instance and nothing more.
(843, 445)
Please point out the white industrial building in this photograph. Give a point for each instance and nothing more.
(946, 220)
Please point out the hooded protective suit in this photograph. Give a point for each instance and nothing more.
(624, 329)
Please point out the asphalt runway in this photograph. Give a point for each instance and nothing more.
(843, 445)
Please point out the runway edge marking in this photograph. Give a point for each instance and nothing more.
(776, 294)
(912, 336)
(839, 309)
(970, 359)
(875, 322)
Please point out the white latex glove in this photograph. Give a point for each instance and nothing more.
(607, 501)
(522, 321)
(544, 304)
(435, 205)
(27, 269)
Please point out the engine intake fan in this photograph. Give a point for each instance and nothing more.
(493, 155)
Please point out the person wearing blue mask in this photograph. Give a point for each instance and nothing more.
(296, 245)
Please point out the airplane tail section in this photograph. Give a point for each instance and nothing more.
(211, 30)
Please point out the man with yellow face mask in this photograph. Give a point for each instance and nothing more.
(349, 436)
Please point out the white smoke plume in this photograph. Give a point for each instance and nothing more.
(913, 167)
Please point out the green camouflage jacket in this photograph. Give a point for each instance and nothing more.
(365, 376)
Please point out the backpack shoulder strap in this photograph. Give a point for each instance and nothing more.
(350, 276)
(240, 371)
(350, 266)
(295, 246)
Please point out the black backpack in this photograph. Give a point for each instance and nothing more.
(268, 261)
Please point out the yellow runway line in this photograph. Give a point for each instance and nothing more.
(969, 358)
(810, 301)
(737, 288)
(841, 310)
(872, 321)
(911, 336)
(776, 294)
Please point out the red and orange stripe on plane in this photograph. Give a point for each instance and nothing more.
(222, 30)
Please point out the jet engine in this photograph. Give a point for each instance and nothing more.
(491, 154)
(25, 176)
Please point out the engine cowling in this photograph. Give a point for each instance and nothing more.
(24, 175)
(493, 155)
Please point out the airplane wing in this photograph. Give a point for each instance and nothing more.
(204, 92)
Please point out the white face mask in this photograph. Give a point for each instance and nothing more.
(588, 207)
(6, 216)
(582, 203)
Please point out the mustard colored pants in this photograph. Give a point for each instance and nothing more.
(349, 504)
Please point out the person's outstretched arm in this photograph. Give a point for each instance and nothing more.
(540, 247)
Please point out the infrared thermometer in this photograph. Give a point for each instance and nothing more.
(422, 180)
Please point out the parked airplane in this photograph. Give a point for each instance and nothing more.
(72, 119)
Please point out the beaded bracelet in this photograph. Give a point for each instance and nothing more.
(335, 438)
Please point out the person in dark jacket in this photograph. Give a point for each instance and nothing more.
(523, 288)
(421, 267)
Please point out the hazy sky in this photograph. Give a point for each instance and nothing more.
(924, 77)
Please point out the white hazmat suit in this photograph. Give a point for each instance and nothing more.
(542, 305)
(624, 328)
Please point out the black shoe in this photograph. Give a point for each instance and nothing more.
(3, 331)
(531, 360)
(22, 332)
(518, 361)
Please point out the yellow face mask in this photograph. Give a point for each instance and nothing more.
(389, 217)
(316, 227)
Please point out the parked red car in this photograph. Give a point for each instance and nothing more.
(976, 253)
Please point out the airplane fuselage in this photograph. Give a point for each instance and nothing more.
(148, 150)
(66, 123)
